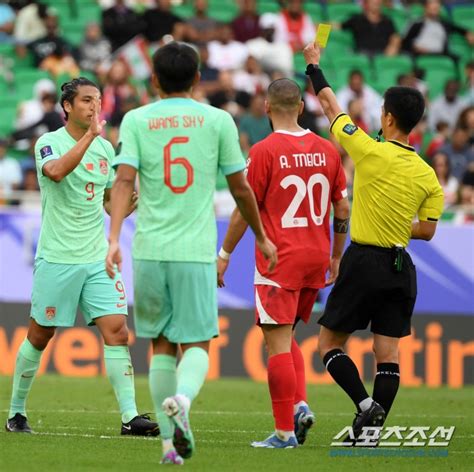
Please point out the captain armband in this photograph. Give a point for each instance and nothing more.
(341, 225)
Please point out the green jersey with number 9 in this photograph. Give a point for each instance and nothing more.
(72, 229)
(178, 145)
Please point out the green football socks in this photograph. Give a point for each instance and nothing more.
(192, 371)
(27, 363)
(120, 372)
(163, 385)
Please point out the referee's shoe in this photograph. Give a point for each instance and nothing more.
(373, 416)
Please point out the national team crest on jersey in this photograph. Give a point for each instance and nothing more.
(46, 151)
(90, 166)
(50, 312)
(350, 129)
(104, 166)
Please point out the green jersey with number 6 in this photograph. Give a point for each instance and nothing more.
(177, 145)
(72, 230)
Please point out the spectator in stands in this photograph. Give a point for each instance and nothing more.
(118, 97)
(417, 135)
(450, 184)
(225, 53)
(7, 23)
(51, 120)
(447, 107)
(370, 99)
(29, 24)
(373, 32)
(251, 78)
(430, 34)
(411, 79)
(209, 75)
(466, 121)
(459, 152)
(467, 188)
(355, 109)
(294, 26)
(228, 98)
(272, 55)
(120, 24)
(254, 125)
(468, 83)
(439, 139)
(201, 28)
(160, 21)
(246, 25)
(32, 111)
(50, 44)
(30, 180)
(60, 63)
(94, 50)
(10, 171)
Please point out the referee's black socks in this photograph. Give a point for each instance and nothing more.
(387, 380)
(345, 373)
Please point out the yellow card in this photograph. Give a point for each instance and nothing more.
(322, 35)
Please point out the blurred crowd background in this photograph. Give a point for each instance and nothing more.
(243, 46)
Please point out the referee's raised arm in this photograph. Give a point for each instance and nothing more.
(341, 125)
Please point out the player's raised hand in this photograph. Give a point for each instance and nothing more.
(113, 259)
(333, 270)
(96, 125)
(222, 265)
(269, 251)
(312, 53)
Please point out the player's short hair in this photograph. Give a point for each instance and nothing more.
(176, 65)
(69, 91)
(284, 95)
(406, 104)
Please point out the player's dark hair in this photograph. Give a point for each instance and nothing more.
(406, 104)
(69, 91)
(175, 65)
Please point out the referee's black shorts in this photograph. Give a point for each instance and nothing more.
(369, 290)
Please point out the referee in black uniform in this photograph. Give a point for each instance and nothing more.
(377, 279)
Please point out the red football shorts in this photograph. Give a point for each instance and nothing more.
(274, 305)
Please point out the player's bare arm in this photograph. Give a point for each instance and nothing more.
(121, 196)
(59, 168)
(108, 205)
(327, 98)
(235, 232)
(423, 230)
(247, 204)
(341, 227)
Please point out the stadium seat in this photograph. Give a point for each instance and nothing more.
(339, 12)
(435, 63)
(268, 6)
(314, 10)
(389, 68)
(8, 107)
(25, 80)
(463, 15)
(184, 11)
(224, 12)
(458, 46)
(72, 31)
(354, 61)
(399, 17)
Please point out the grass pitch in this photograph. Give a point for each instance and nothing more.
(78, 426)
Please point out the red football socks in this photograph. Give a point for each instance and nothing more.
(298, 361)
(282, 384)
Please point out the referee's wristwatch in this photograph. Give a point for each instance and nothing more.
(311, 68)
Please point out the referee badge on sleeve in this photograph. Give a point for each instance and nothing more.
(349, 129)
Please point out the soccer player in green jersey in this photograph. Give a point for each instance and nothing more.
(75, 175)
(177, 146)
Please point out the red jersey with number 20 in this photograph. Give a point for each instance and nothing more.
(295, 177)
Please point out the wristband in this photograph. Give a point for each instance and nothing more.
(224, 254)
(317, 77)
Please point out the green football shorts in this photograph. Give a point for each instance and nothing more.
(175, 299)
(58, 289)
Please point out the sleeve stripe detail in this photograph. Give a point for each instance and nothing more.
(335, 119)
(129, 161)
(432, 219)
(232, 169)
